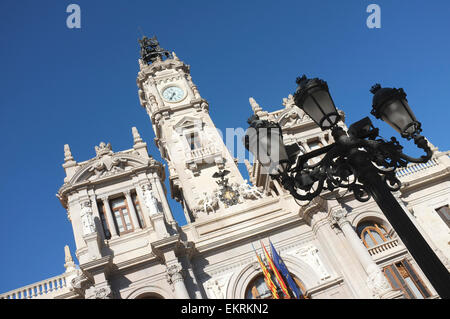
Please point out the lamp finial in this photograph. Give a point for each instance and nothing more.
(374, 89)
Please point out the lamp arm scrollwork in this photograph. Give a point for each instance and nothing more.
(334, 171)
(421, 143)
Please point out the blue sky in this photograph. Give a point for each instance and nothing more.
(78, 86)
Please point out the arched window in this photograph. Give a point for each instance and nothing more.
(257, 289)
(372, 234)
(149, 295)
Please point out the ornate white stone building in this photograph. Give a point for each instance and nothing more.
(128, 244)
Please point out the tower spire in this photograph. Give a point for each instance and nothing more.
(69, 264)
(136, 137)
(67, 154)
(255, 106)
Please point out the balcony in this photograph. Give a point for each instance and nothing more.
(200, 153)
(386, 249)
(205, 155)
(415, 168)
(46, 289)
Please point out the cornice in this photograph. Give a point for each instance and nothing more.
(148, 165)
(157, 66)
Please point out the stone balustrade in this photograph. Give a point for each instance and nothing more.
(414, 168)
(378, 249)
(200, 153)
(43, 289)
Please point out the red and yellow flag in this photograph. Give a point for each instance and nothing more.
(268, 279)
(276, 272)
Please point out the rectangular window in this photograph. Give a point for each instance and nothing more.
(402, 276)
(119, 208)
(313, 145)
(193, 140)
(444, 213)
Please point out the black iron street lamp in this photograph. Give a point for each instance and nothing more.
(357, 160)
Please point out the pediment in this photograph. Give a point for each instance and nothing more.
(290, 117)
(107, 165)
(188, 122)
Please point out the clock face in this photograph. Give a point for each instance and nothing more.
(173, 94)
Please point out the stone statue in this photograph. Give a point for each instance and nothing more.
(151, 51)
(150, 200)
(87, 219)
(247, 191)
(207, 202)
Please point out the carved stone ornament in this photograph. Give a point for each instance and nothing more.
(377, 282)
(217, 287)
(338, 217)
(87, 219)
(206, 203)
(246, 191)
(103, 293)
(94, 292)
(174, 273)
(106, 164)
(150, 200)
(310, 255)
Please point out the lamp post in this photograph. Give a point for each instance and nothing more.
(357, 161)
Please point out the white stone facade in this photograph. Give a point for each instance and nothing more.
(212, 255)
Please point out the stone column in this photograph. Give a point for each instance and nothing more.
(376, 280)
(163, 199)
(110, 218)
(322, 140)
(96, 212)
(133, 212)
(144, 208)
(175, 278)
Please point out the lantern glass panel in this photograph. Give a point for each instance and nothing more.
(398, 114)
(266, 144)
(312, 109)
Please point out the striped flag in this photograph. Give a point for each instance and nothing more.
(277, 274)
(267, 277)
(283, 269)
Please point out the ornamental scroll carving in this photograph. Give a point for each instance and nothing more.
(106, 164)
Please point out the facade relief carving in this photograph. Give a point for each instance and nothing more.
(150, 200)
(310, 255)
(106, 164)
(99, 293)
(207, 203)
(377, 282)
(217, 287)
(248, 192)
(87, 218)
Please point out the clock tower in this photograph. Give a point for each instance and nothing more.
(204, 176)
